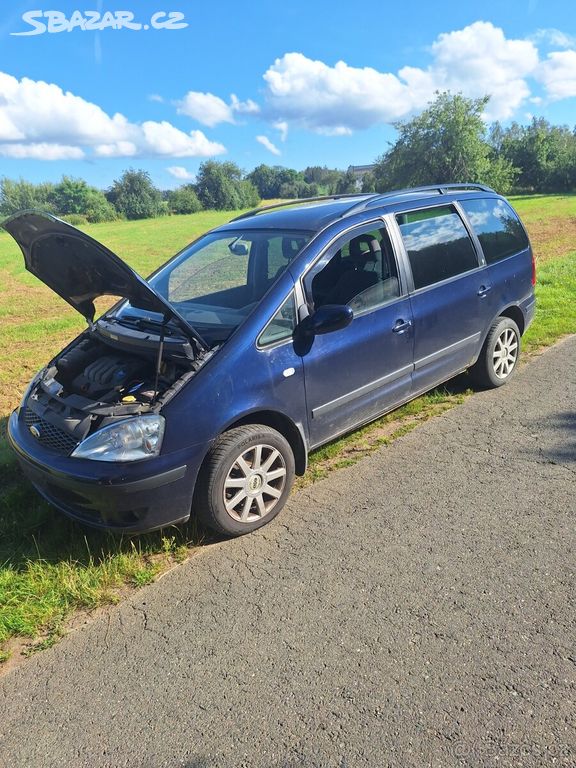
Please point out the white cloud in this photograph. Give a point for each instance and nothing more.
(116, 149)
(338, 130)
(480, 60)
(211, 110)
(319, 97)
(205, 108)
(339, 99)
(164, 139)
(265, 141)
(554, 37)
(40, 120)
(247, 107)
(282, 126)
(41, 151)
(156, 97)
(179, 172)
(558, 75)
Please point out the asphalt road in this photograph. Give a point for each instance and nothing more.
(416, 609)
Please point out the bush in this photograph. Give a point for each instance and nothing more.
(184, 200)
(98, 208)
(220, 187)
(23, 195)
(135, 197)
(76, 219)
(249, 197)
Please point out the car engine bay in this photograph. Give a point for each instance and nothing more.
(94, 382)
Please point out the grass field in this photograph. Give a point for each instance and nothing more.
(49, 566)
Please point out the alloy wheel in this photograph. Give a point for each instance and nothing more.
(254, 483)
(505, 353)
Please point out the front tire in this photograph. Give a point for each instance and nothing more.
(246, 480)
(499, 355)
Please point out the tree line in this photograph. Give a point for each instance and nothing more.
(219, 186)
(447, 142)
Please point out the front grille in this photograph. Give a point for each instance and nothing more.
(49, 435)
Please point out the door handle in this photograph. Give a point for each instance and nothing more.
(401, 325)
(483, 290)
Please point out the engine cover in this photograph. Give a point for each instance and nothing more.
(108, 374)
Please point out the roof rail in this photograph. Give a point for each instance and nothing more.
(439, 189)
(298, 200)
(366, 198)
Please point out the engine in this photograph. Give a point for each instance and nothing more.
(97, 372)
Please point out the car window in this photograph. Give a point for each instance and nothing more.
(437, 243)
(218, 269)
(282, 324)
(497, 227)
(217, 281)
(362, 273)
(281, 250)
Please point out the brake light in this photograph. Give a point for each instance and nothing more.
(533, 270)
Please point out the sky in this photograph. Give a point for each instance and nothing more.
(164, 86)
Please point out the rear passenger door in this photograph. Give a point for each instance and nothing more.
(506, 250)
(449, 292)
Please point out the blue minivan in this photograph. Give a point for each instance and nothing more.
(204, 388)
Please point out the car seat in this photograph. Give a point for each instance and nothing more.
(365, 256)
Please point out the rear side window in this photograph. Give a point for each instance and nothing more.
(438, 244)
(498, 228)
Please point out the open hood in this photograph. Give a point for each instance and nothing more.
(80, 269)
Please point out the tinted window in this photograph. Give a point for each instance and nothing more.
(437, 243)
(362, 274)
(498, 228)
(282, 324)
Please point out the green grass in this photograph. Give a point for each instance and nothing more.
(555, 307)
(51, 567)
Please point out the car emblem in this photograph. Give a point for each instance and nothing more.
(35, 431)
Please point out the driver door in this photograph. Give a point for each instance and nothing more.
(357, 373)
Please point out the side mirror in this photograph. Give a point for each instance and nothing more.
(330, 317)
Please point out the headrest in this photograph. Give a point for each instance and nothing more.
(291, 246)
(365, 248)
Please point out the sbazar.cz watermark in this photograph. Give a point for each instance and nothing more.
(95, 21)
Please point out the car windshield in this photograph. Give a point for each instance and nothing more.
(217, 281)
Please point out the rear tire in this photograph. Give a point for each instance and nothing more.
(246, 480)
(499, 356)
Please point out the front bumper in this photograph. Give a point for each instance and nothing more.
(124, 497)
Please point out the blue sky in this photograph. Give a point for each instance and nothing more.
(295, 83)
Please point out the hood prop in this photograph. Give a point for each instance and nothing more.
(165, 320)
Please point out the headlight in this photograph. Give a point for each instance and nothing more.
(128, 440)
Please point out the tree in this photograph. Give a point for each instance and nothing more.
(346, 183)
(220, 186)
(276, 181)
(97, 207)
(22, 195)
(74, 196)
(248, 194)
(368, 182)
(545, 154)
(445, 143)
(134, 195)
(70, 195)
(265, 179)
(184, 200)
(325, 179)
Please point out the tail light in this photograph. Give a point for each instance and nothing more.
(533, 269)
